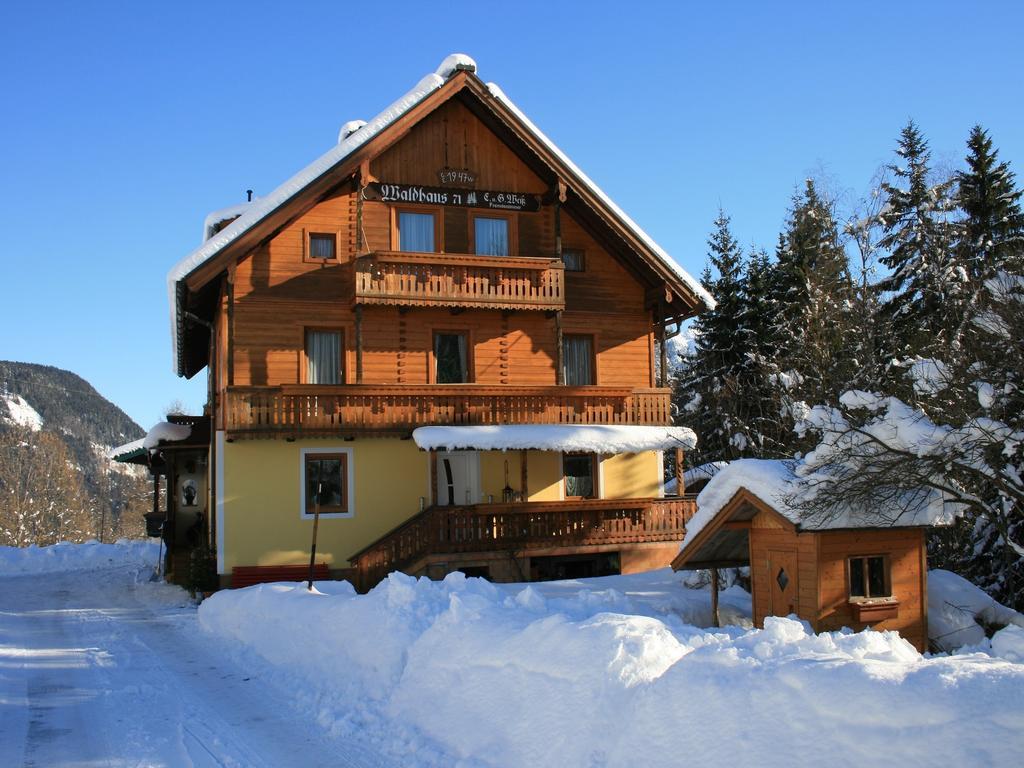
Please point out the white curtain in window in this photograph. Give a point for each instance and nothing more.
(578, 360)
(490, 236)
(416, 232)
(323, 356)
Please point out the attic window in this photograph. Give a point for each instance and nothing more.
(573, 259)
(323, 245)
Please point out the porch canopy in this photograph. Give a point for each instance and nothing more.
(583, 438)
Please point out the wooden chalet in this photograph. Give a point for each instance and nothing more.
(444, 265)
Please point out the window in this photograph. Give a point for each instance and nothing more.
(578, 470)
(578, 359)
(326, 483)
(324, 357)
(869, 576)
(491, 236)
(573, 259)
(323, 246)
(417, 232)
(451, 362)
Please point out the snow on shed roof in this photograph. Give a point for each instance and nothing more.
(353, 136)
(774, 482)
(589, 438)
(162, 432)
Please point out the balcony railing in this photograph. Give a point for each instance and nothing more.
(459, 280)
(296, 410)
(523, 527)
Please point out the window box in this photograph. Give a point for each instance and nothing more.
(874, 610)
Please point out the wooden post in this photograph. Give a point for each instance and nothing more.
(524, 488)
(680, 483)
(663, 355)
(559, 350)
(231, 327)
(359, 344)
(316, 524)
(714, 598)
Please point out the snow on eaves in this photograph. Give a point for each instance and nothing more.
(162, 432)
(223, 214)
(264, 206)
(587, 438)
(775, 482)
(694, 285)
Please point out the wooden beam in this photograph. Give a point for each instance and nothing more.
(714, 598)
(738, 525)
(231, 327)
(559, 351)
(523, 487)
(359, 344)
(662, 356)
(680, 483)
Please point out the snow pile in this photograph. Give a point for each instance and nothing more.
(599, 438)
(466, 672)
(20, 412)
(20, 561)
(958, 613)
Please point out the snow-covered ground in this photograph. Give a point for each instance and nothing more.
(103, 667)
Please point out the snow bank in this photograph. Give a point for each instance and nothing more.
(466, 672)
(15, 561)
(587, 438)
(958, 612)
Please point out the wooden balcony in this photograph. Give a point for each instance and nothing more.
(523, 527)
(305, 410)
(459, 280)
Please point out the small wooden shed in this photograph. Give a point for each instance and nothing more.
(857, 572)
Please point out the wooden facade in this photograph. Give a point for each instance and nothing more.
(332, 260)
(808, 572)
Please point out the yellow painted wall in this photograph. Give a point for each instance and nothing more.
(544, 475)
(631, 475)
(262, 520)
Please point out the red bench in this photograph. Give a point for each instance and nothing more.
(247, 575)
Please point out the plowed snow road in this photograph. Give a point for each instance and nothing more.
(98, 670)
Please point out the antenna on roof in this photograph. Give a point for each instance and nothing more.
(248, 194)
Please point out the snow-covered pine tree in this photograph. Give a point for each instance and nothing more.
(811, 300)
(925, 290)
(707, 395)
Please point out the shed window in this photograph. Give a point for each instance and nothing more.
(869, 576)
(326, 475)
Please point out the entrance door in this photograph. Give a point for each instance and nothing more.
(458, 478)
(782, 583)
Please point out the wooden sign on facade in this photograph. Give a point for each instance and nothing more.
(465, 198)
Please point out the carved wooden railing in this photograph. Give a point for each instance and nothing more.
(294, 410)
(521, 527)
(459, 280)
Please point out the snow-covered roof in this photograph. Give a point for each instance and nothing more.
(696, 475)
(586, 438)
(775, 483)
(213, 218)
(162, 432)
(351, 137)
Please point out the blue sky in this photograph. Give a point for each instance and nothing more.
(125, 123)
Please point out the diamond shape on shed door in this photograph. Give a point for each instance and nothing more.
(782, 582)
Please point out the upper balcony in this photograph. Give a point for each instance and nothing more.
(320, 410)
(459, 280)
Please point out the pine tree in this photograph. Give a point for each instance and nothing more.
(707, 390)
(926, 288)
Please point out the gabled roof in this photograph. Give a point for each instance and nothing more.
(358, 143)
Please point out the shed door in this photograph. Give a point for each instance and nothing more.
(782, 582)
